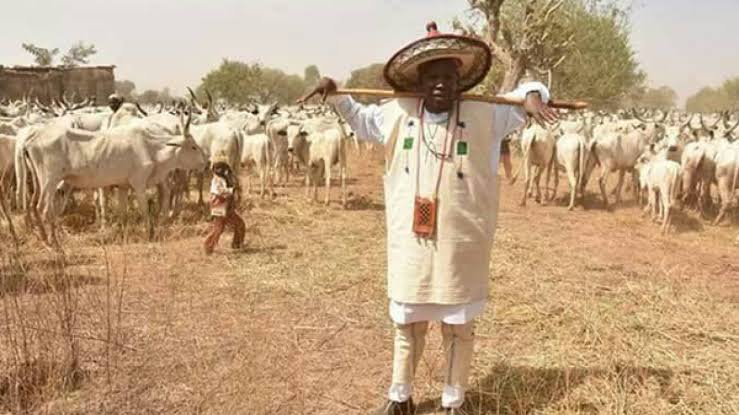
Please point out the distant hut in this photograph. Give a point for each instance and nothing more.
(52, 82)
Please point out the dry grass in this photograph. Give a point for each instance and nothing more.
(590, 312)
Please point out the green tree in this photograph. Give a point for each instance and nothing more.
(233, 81)
(150, 96)
(125, 88)
(274, 85)
(371, 77)
(663, 97)
(42, 56)
(601, 66)
(731, 89)
(241, 83)
(708, 100)
(311, 76)
(78, 54)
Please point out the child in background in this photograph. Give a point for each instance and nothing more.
(222, 207)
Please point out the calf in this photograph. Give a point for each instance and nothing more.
(660, 179)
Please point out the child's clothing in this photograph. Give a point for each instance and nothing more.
(224, 213)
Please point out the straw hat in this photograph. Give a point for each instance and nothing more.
(474, 57)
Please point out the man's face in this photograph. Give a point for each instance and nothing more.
(114, 104)
(439, 84)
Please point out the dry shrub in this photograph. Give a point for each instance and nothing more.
(53, 327)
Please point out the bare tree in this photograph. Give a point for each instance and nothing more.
(522, 38)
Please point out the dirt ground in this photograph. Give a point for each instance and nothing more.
(589, 312)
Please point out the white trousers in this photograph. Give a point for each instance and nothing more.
(410, 339)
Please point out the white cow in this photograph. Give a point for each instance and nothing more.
(132, 156)
(319, 151)
(537, 147)
(277, 133)
(572, 154)
(660, 178)
(91, 121)
(256, 153)
(216, 138)
(25, 135)
(619, 152)
(727, 178)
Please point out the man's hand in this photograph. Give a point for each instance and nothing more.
(541, 112)
(325, 86)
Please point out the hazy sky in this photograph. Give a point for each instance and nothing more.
(685, 44)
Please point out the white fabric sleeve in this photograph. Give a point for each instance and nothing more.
(365, 120)
(509, 118)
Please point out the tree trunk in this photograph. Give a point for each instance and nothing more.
(513, 74)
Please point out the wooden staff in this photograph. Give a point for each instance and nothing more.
(381, 93)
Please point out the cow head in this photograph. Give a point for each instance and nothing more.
(189, 155)
(296, 138)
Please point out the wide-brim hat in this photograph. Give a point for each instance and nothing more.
(474, 57)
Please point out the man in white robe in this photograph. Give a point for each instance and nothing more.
(444, 152)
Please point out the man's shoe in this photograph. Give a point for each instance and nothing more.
(396, 408)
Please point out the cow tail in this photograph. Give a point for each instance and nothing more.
(36, 196)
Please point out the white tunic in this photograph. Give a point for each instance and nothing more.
(367, 122)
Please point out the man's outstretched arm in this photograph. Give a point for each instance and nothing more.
(365, 120)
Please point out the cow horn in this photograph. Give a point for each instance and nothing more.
(187, 122)
(194, 98)
(138, 106)
(720, 117)
(731, 130)
(62, 102)
(637, 116)
(664, 117)
(726, 117)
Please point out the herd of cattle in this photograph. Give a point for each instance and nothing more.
(47, 152)
(674, 159)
